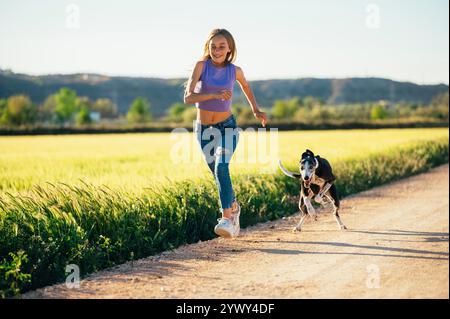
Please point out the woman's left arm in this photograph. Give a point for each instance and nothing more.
(250, 97)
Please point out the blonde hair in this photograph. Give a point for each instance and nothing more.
(231, 56)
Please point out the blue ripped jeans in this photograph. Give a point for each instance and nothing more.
(218, 143)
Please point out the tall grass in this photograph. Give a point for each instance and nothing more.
(132, 162)
(96, 227)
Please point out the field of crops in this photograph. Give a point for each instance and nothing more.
(136, 161)
(136, 197)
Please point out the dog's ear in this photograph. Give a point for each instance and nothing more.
(309, 152)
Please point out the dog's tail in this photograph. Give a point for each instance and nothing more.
(286, 172)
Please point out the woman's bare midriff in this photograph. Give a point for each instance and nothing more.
(210, 117)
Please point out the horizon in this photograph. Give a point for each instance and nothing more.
(179, 78)
(403, 41)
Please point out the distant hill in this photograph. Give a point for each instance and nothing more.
(163, 92)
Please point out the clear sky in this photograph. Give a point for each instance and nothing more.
(405, 40)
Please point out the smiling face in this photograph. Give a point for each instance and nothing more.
(218, 49)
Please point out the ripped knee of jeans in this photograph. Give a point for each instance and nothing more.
(223, 155)
(222, 151)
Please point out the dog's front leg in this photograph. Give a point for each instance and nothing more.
(336, 214)
(310, 208)
(301, 206)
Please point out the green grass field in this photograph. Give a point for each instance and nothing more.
(139, 201)
(135, 161)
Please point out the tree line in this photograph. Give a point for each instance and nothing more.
(311, 109)
(66, 108)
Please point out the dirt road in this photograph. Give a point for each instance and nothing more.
(397, 246)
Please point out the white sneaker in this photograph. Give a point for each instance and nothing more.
(229, 227)
(224, 228)
(236, 216)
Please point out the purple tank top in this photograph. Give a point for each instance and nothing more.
(214, 79)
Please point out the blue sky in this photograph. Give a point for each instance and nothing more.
(275, 39)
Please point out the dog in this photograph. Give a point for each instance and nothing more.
(317, 181)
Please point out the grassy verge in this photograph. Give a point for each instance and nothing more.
(281, 125)
(96, 227)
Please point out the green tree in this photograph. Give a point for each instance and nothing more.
(237, 108)
(105, 107)
(46, 111)
(310, 101)
(283, 109)
(320, 113)
(139, 111)
(176, 111)
(2, 107)
(82, 102)
(440, 99)
(402, 110)
(303, 114)
(440, 105)
(83, 116)
(378, 112)
(18, 110)
(246, 115)
(65, 104)
(189, 115)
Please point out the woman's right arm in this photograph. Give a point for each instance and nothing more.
(190, 97)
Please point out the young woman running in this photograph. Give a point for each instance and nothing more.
(210, 87)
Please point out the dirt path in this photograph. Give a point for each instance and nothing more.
(397, 246)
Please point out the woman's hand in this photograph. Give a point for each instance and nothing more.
(261, 116)
(224, 95)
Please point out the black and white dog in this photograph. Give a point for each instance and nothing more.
(317, 180)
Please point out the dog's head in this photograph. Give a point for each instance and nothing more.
(308, 164)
